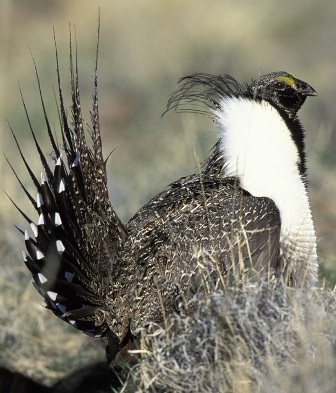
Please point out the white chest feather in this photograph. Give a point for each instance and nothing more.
(257, 148)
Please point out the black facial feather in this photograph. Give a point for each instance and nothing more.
(282, 90)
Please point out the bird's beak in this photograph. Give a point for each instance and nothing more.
(306, 90)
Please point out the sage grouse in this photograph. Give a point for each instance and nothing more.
(247, 209)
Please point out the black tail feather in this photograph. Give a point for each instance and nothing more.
(38, 148)
(51, 137)
(31, 174)
(78, 234)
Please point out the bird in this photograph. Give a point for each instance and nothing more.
(246, 209)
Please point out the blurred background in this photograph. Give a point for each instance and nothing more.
(144, 48)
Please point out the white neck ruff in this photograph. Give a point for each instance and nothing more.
(258, 148)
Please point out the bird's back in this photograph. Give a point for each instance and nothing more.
(200, 226)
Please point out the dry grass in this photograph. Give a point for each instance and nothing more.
(145, 47)
(257, 338)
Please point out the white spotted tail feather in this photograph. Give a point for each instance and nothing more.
(74, 244)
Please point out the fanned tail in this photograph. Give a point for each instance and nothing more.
(77, 237)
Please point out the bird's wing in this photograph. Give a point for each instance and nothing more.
(201, 226)
(77, 236)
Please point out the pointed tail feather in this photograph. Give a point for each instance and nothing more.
(76, 240)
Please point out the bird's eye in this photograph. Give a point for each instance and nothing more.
(279, 85)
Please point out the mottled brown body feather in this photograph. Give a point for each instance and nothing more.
(200, 225)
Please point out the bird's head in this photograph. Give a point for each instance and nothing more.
(282, 90)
